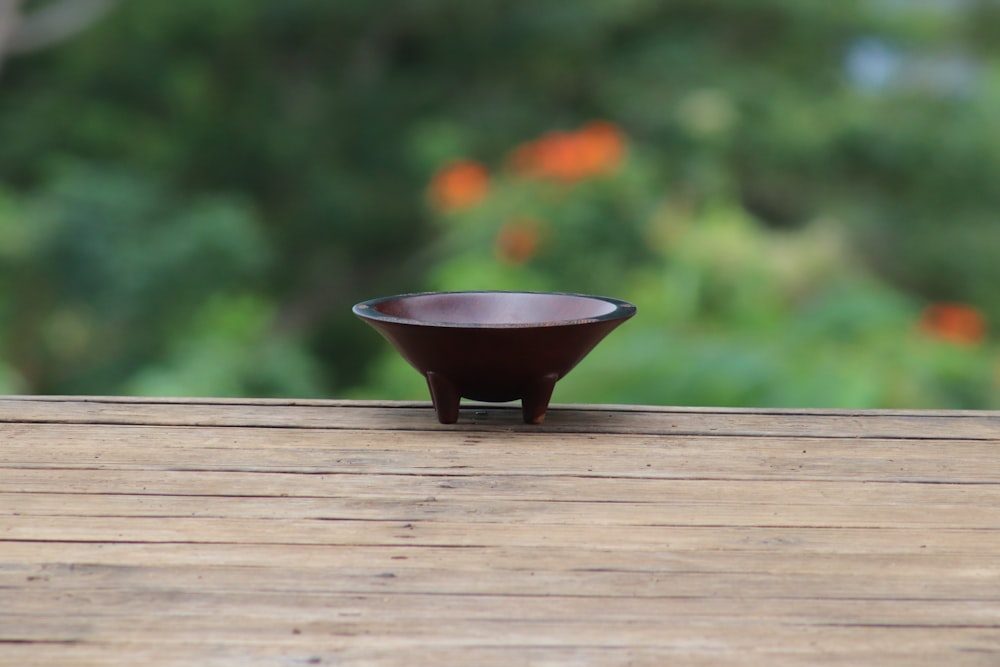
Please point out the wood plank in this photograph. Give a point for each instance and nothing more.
(686, 653)
(292, 450)
(470, 535)
(112, 587)
(504, 624)
(182, 610)
(813, 423)
(206, 654)
(697, 509)
(49, 563)
(467, 487)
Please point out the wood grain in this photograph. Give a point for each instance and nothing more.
(229, 532)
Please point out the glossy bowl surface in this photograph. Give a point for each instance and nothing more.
(491, 345)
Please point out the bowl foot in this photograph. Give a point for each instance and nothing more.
(535, 402)
(444, 396)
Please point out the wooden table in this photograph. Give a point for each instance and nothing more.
(202, 532)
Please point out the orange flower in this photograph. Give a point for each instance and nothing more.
(553, 155)
(518, 241)
(601, 146)
(459, 185)
(595, 149)
(954, 322)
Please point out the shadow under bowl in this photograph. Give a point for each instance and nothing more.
(493, 346)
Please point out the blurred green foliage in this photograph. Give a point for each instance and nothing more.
(193, 193)
(731, 312)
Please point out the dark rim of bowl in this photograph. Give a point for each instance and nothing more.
(366, 310)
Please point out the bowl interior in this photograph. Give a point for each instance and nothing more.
(501, 309)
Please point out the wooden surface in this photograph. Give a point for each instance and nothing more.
(245, 533)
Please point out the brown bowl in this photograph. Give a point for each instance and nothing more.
(493, 346)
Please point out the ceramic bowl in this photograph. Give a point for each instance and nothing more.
(493, 346)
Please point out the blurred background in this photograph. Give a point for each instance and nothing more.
(800, 196)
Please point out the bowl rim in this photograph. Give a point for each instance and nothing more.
(367, 311)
